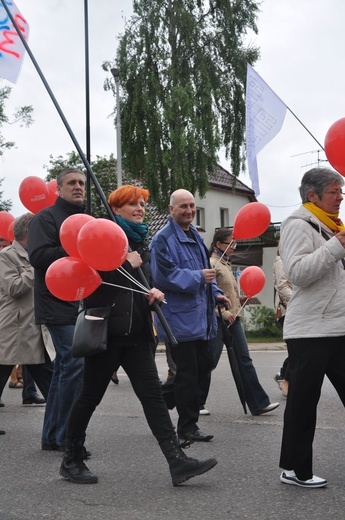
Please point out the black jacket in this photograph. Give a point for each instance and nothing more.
(44, 247)
(130, 317)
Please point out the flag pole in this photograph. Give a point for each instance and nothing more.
(156, 307)
(291, 112)
(87, 103)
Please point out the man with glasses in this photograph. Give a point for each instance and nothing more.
(181, 269)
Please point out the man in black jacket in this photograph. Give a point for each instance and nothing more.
(44, 247)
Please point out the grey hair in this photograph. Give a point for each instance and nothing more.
(61, 175)
(21, 226)
(317, 180)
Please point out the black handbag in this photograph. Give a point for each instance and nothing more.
(91, 332)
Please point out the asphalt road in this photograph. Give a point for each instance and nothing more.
(134, 481)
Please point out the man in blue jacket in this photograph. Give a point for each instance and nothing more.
(181, 269)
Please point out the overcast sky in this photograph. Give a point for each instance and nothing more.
(302, 60)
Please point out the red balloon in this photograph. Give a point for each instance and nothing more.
(251, 221)
(52, 192)
(5, 220)
(70, 279)
(252, 280)
(102, 244)
(335, 146)
(10, 231)
(33, 193)
(69, 232)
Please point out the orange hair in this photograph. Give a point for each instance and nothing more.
(127, 193)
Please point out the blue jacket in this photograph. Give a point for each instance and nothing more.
(176, 265)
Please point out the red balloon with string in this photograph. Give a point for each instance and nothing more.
(33, 193)
(6, 219)
(251, 221)
(252, 280)
(335, 145)
(70, 279)
(69, 231)
(102, 244)
(52, 192)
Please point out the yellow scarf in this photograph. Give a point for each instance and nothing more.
(331, 220)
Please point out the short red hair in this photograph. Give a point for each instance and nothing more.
(127, 193)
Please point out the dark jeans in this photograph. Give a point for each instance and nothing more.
(310, 359)
(193, 362)
(138, 363)
(41, 374)
(255, 395)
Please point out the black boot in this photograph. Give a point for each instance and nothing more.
(182, 467)
(73, 467)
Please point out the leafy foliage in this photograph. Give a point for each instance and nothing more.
(182, 68)
(5, 205)
(262, 322)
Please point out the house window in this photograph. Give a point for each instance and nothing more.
(200, 217)
(224, 217)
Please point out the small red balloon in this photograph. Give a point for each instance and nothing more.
(252, 280)
(33, 193)
(251, 221)
(335, 145)
(69, 232)
(102, 244)
(52, 192)
(5, 220)
(70, 279)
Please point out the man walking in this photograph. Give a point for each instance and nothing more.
(181, 269)
(44, 247)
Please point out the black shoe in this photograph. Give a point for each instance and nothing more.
(195, 436)
(34, 399)
(2, 432)
(52, 447)
(1, 403)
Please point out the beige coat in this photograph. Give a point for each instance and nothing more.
(227, 282)
(21, 340)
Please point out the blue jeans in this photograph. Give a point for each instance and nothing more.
(64, 387)
(255, 395)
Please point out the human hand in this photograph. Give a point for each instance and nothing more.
(223, 300)
(341, 237)
(134, 259)
(209, 275)
(232, 319)
(155, 294)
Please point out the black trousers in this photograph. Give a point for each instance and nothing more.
(41, 374)
(138, 363)
(194, 362)
(310, 359)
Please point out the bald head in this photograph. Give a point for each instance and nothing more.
(182, 208)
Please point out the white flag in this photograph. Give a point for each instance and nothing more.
(265, 113)
(11, 47)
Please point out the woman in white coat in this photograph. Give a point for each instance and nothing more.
(22, 341)
(312, 247)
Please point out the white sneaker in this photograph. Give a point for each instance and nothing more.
(289, 477)
(203, 411)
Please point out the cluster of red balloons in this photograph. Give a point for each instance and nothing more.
(93, 245)
(36, 194)
(335, 145)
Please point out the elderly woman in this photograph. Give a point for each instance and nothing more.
(130, 339)
(312, 247)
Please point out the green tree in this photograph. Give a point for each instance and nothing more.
(182, 68)
(22, 115)
(5, 205)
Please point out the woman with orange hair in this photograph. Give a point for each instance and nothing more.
(130, 338)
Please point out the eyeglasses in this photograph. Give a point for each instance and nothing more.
(335, 193)
(232, 244)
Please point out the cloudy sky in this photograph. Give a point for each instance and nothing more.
(302, 57)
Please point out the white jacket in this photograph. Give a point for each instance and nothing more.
(313, 265)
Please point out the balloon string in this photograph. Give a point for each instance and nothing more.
(131, 278)
(129, 289)
(224, 252)
(239, 310)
